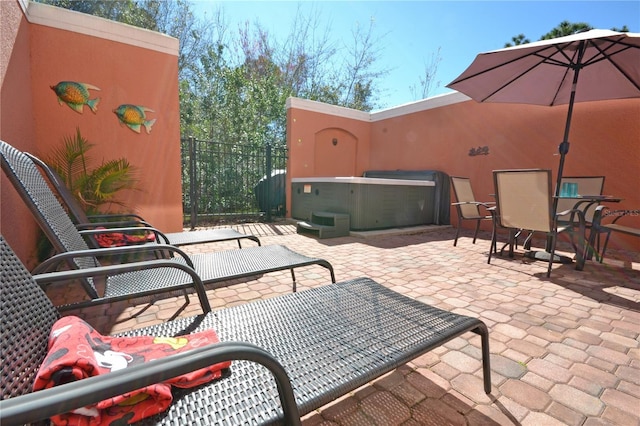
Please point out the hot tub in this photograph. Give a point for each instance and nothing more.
(372, 203)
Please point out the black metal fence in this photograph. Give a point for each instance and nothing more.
(230, 182)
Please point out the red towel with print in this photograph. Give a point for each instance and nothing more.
(77, 351)
(119, 239)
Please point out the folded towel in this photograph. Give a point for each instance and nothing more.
(77, 351)
(119, 239)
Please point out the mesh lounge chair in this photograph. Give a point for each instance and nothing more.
(213, 268)
(467, 206)
(316, 345)
(524, 201)
(82, 221)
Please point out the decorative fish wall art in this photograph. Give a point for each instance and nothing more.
(76, 95)
(134, 116)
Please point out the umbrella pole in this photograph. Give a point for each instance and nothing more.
(563, 148)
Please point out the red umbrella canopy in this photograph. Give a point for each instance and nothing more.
(543, 72)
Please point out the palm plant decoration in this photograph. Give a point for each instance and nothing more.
(94, 188)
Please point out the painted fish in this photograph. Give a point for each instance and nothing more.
(76, 95)
(134, 116)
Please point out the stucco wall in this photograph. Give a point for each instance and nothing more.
(310, 133)
(439, 133)
(130, 66)
(16, 123)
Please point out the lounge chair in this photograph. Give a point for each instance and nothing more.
(83, 221)
(524, 201)
(467, 206)
(316, 345)
(214, 269)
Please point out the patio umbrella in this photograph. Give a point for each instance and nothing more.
(587, 66)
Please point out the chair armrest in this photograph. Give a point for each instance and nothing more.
(118, 216)
(53, 262)
(43, 279)
(487, 205)
(46, 278)
(478, 203)
(114, 224)
(43, 404)
(573, 212)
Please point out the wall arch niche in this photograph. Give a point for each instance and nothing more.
(335, 153)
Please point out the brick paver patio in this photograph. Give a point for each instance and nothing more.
(565, 350)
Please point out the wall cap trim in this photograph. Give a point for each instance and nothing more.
(437, 101)
(69, 20)
(398, 111)
(323, 108)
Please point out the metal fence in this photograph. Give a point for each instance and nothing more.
(230, 182)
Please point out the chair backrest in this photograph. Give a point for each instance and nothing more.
(45, 207)
(72, 205)
(524, 199)
(464, 194)
(26, 315)
(587, 185)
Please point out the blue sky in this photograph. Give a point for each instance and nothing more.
(415, 30)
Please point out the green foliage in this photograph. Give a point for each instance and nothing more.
(565, 28)
(96, 187)
(125, 11)
(517, 41)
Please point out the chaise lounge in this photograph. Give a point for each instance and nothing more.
(214, 269)
(291, 354)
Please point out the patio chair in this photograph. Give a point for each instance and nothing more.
(84, 222)
(291, 354)
(214, 269)
(524, 201)
(587, 185)
(467, 206)
(603, 224)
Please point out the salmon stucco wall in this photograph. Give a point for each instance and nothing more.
(440, 134)
(16, 123)
(129, 66)
(310, 135)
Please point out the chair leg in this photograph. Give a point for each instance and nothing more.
(604, 246)
(552, 252)
(527, 242)
(475, 234)
(581, 251)
(494, 244)
(455, 241)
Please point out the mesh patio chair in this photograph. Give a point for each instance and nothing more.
(317, 345)
(84, 222)
(622, 222)
(587, 185)
(214, 269)
(524, 201)
(467, 206)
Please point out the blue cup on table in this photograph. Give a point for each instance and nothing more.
(574, 189)
(569, 189)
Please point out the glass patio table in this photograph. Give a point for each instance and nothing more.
(584, 202)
